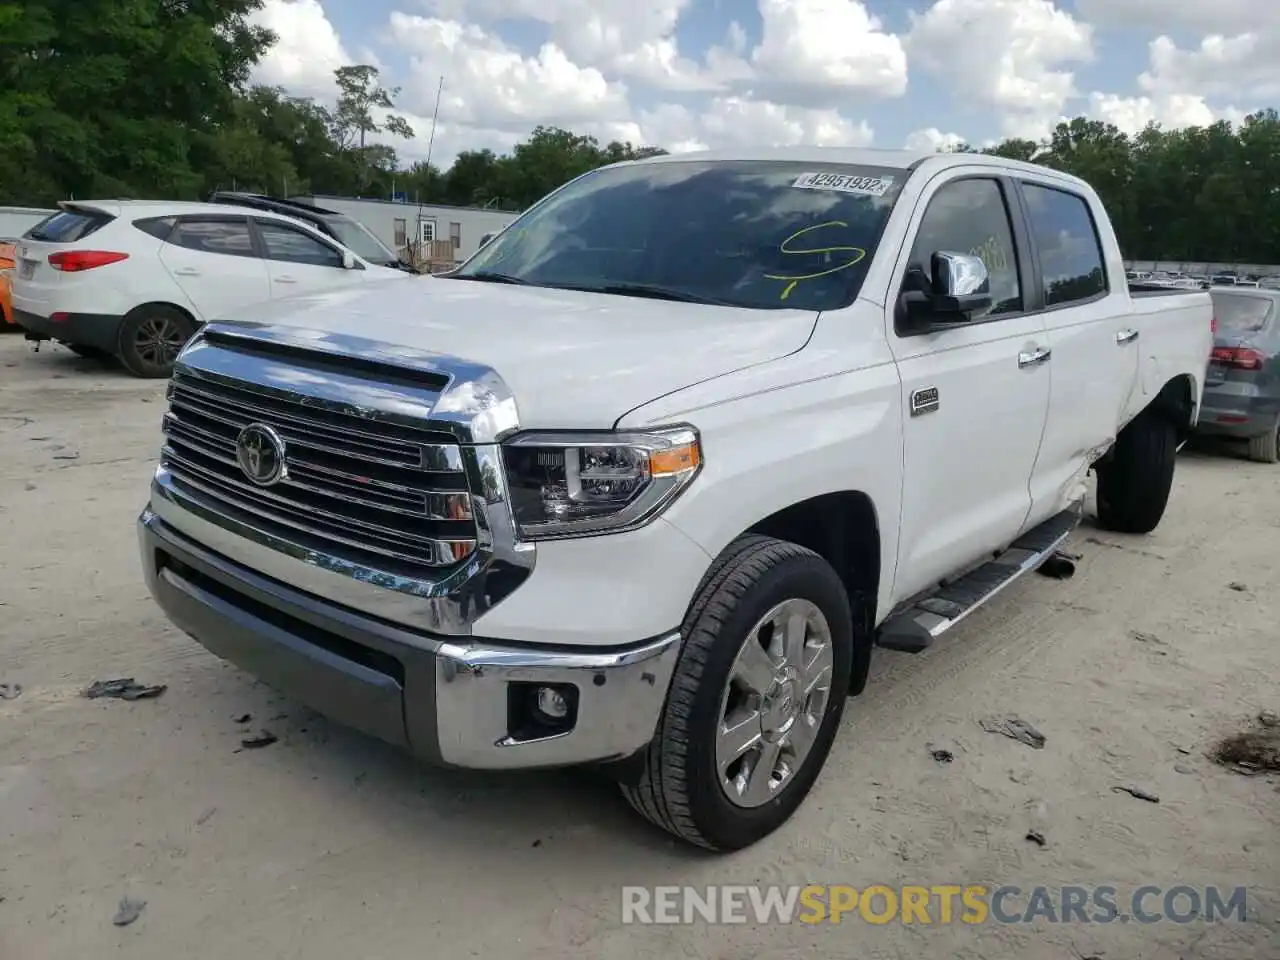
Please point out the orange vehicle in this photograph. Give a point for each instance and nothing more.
(7, 263)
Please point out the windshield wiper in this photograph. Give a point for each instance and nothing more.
(491, 276)
(652, 291)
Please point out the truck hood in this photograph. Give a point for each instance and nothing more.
(573, 360)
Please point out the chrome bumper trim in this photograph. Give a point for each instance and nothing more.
(620, 698)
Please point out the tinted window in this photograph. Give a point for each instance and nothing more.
(970, 216)
(157, 227)
(227, 237)
(1070, 253)
(68, 226)
(355, 236)
(1238, 314)
(757, 234)
(286, 243)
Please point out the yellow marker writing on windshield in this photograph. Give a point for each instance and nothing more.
(856, 254)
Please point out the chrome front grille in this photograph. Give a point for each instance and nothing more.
(388, 494)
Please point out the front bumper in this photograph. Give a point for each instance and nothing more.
(456, 701)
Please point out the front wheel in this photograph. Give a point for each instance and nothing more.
(756, 698)
(151, 338)
(1134, 484)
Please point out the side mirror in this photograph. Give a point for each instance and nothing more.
(485, 239)
(959, 285)
(349, 261)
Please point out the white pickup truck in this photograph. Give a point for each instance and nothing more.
(643, 483)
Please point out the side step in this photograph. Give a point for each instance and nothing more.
(913, 627)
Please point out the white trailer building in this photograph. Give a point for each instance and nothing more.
(398, 224)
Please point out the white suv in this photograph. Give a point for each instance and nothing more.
(134, 279)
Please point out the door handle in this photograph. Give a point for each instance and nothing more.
(1126, 336)
(187, 272)
(1031, 358)
(285, 279)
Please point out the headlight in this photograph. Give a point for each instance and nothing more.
(574, 484)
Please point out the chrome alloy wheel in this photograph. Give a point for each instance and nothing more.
(774, 702)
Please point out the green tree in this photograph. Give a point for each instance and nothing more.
(110, 97)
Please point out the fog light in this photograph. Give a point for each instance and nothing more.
(551, 703)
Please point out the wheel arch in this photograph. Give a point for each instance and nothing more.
(1176, 401)
(842, 527)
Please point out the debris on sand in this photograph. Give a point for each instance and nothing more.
(264, 739)
(123, 689)
(10, 691)
(128, 911)
(942, 756)
(1014, 728)
(1237, 586)
(1137, 792)
(243, 718)
(1253, 751)
(1036, 837)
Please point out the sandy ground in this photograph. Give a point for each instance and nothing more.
(328, 845)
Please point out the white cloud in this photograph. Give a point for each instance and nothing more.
(933, 139)
(1171, 112)
(487, 84)
(1017, 57)
(828, 49)
(1246, 65)
(307, 52)
(1221, 16)
(737, 121)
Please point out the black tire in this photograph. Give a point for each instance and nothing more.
(679, 785)
(83, 350)
(1134, 483)
(1266, 448)
(150, 338)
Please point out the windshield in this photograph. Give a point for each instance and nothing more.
(757, 234)
(1241, 314)
(355, 236)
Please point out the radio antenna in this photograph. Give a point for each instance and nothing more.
(431, 142)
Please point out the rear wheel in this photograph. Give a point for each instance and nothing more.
(1134, 484)
(150, 339)
(756, 698)
(1266, 448)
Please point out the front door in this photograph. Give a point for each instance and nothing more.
(975, 396)
(300, 262)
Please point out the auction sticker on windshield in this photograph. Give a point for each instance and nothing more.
(845, 183)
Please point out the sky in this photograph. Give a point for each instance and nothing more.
(691, 74)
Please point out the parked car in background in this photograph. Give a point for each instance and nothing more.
(352, 234)
(134, 279)
(1242, 387)
(666, 458)
(7, 264)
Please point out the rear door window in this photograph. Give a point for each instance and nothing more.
(214, 235)
(1237, 314)
(1067, 241)
(68, 226)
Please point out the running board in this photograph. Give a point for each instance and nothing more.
(914, 627)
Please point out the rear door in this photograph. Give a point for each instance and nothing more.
(299, 261)
(212, 259)
(1093, 337)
